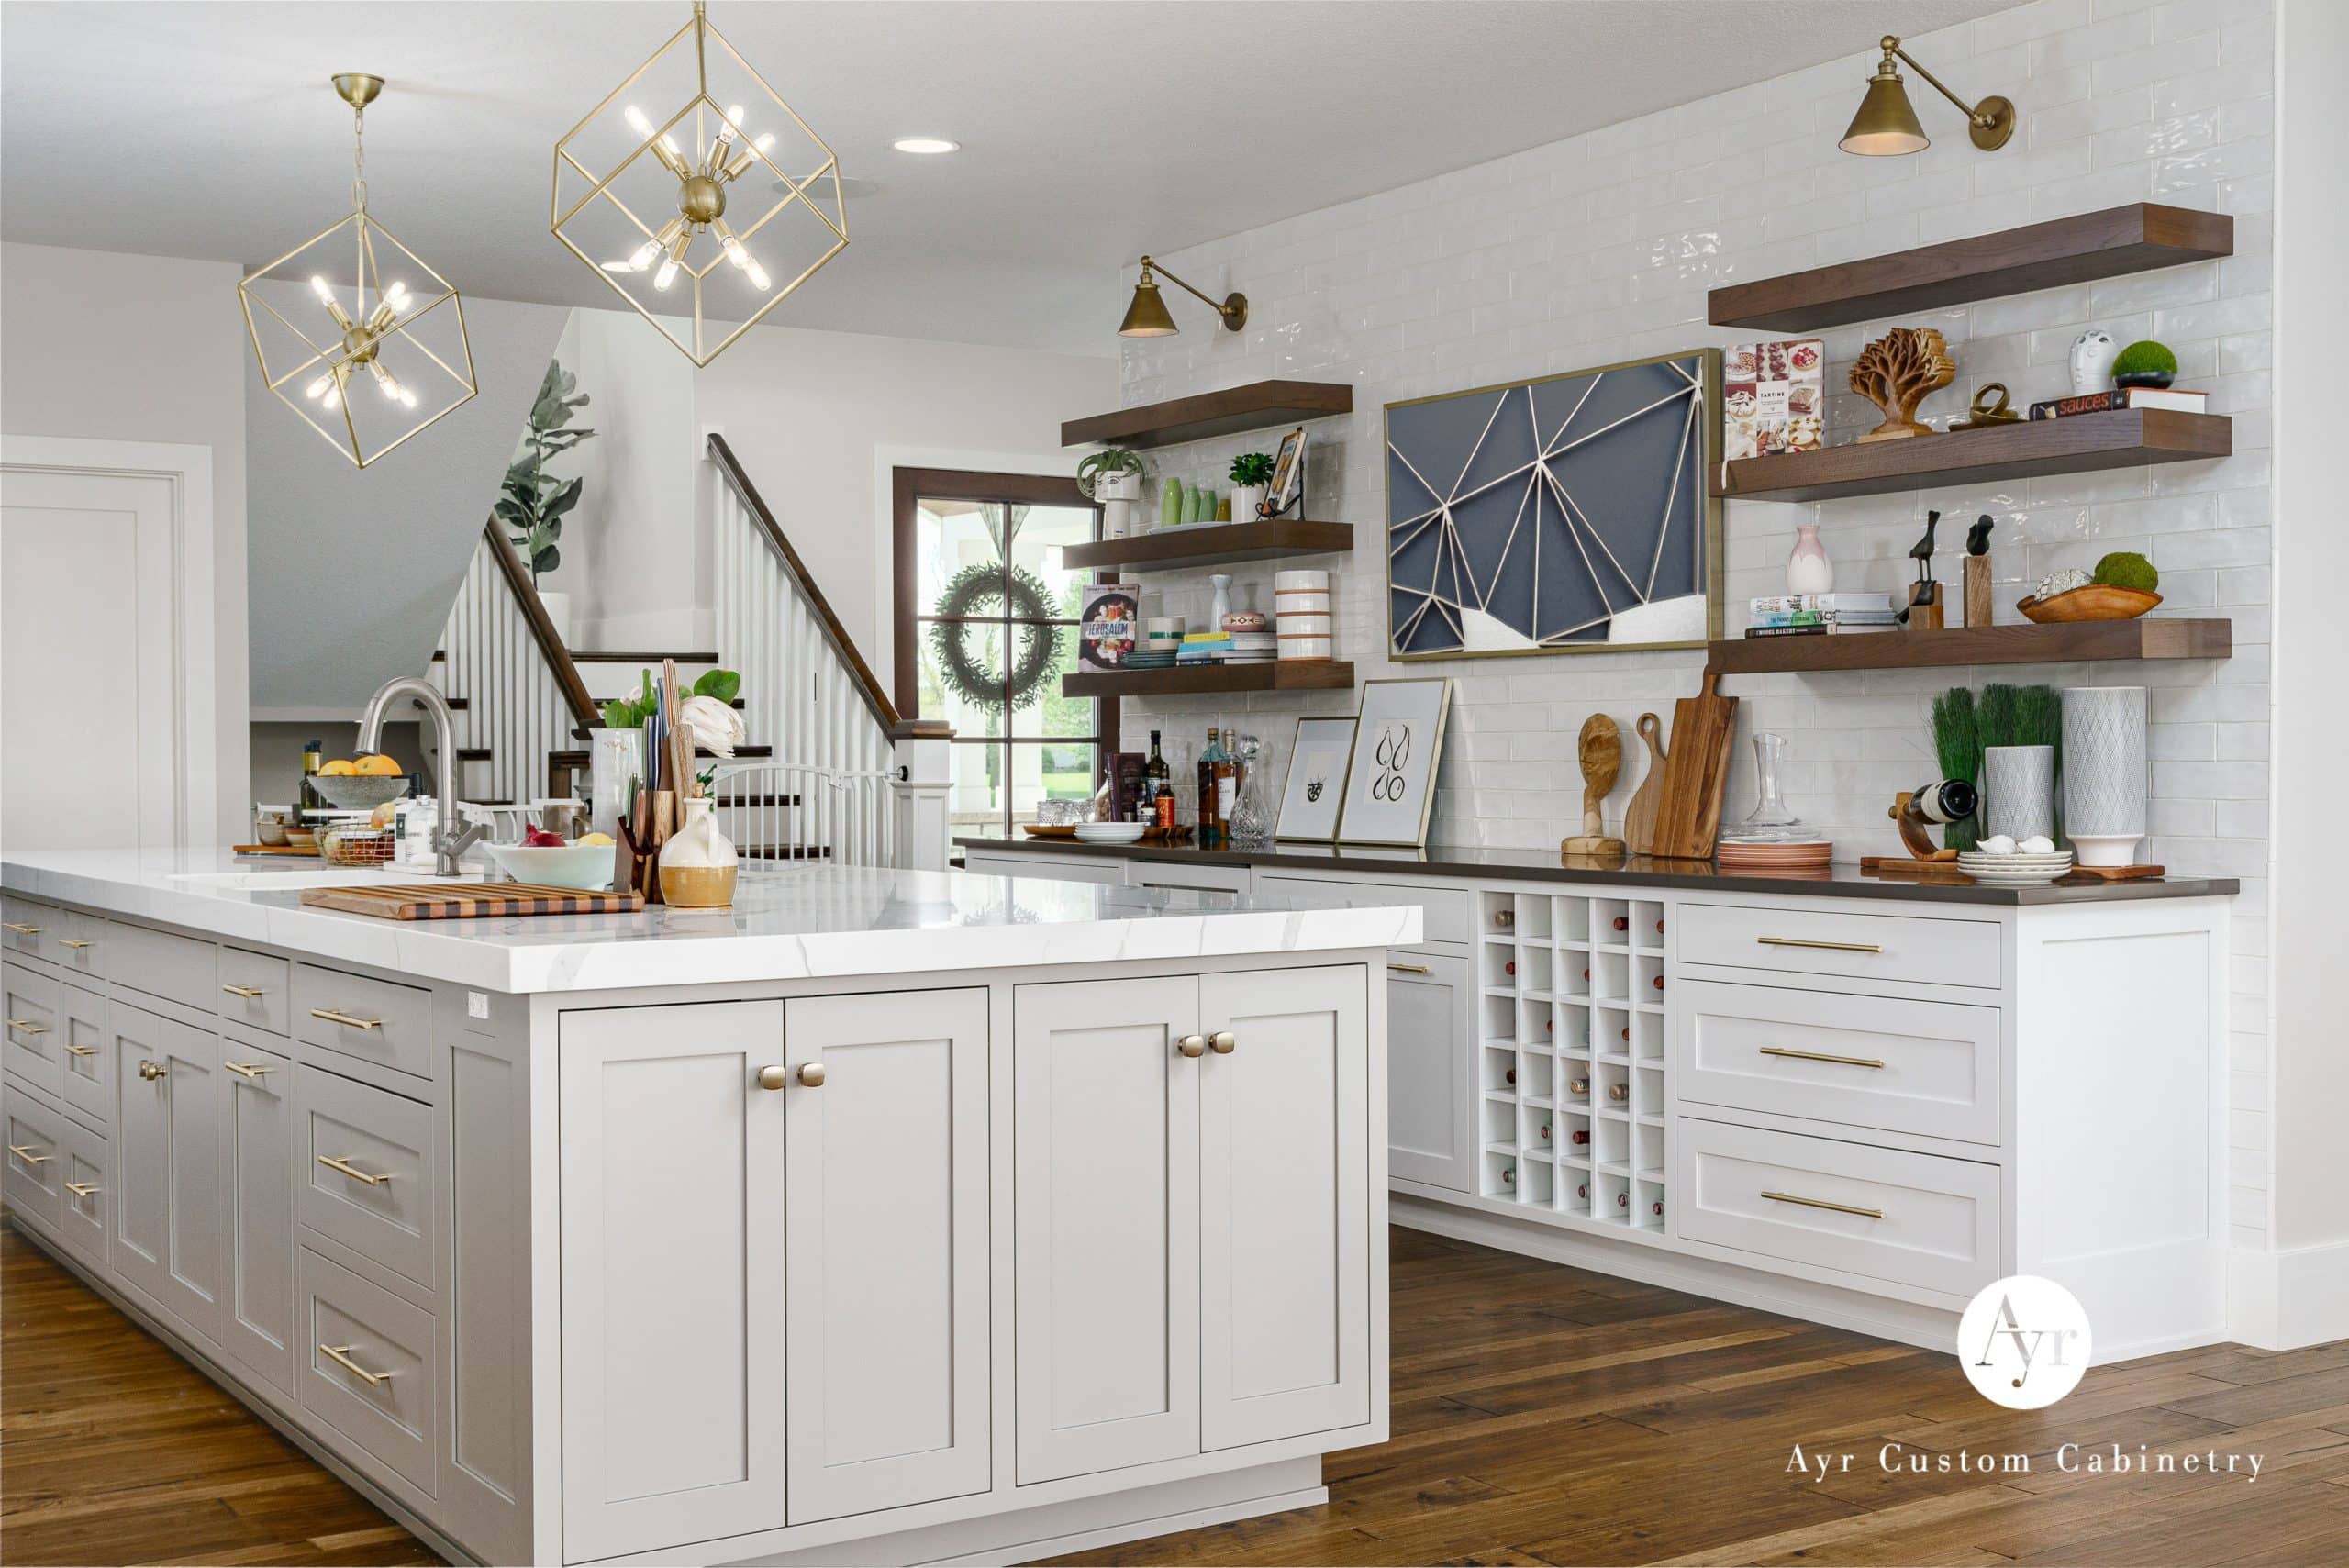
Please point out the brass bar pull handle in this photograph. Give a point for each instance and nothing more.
(334, 1164)
(81, 1050)
(1807, 942)
(1822, 1203)
(82, 1189)
(247, 1069)
(77, 946)
(21, 928)
(1820, 1056)
(26, 1155)
(342, 1355)
(1409, 969)
(26, 1026)
(331, 1015)
(1192, 1045)
(1221, 1042)
(249, 991)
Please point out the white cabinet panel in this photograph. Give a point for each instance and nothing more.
(1431, 1071)
(886, 1333)
(673, 1224)
(35, 1029)
(1182, 876)
(364, 1155)
(36, 1157)
(371, 1370)
(85, 1192)
(1858, 943)
(1058, 867)
(168, 1240)
(1285, 1270)
(257, 1135)
(1106, 1226)
(85, 1072)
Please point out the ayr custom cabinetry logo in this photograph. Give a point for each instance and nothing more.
(2024, 1342)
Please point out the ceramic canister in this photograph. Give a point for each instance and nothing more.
(1302, 610)
(2104, 773)
(2018, 791)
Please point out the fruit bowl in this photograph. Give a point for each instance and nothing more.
(358, 792)
(586, 867)
(2097, 601)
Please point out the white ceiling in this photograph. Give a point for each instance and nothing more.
(1092, 131)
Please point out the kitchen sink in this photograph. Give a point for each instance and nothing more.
(282, 880)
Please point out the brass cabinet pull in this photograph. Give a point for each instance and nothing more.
(342, 1359)
(333, 1163)
(82, 1189)
(1807, 942)
(151, 1071)
(811, 1074)
(773, 1077)
(1192, 1045)
(1819, 1056)
(1822, 1203)
(81, 1050)
(69, 942)
(249, 991)
(26, 1026)
(21, 928)
(1409, 969)
(247, 1069)
(331, 1015)
(26, 1155)
(1223, 1043)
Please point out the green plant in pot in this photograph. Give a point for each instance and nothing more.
(2144, 363)
(1252, 475)
(532, 503)
(1113, 474)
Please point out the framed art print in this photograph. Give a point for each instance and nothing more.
(1316, 780)
(1288, 475)
(1390, 784)
(1563, 514)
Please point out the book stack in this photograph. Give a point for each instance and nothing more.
(1820, 615)
(2173, 398)
(1204, 647)
(1252, 648)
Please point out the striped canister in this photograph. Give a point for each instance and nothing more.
(1301, 604)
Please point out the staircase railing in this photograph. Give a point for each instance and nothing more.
(789, 812)
(811, 696)
(522, 695)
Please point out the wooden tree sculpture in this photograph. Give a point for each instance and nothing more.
(1897, 371)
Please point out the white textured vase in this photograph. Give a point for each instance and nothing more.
(1245, 499)
(2104, 773)
(1221, 606)
(2018, 791)
(1808, 568)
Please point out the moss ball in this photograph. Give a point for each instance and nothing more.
(2127, 569)
(2144, 363)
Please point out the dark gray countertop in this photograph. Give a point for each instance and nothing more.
(1842, 880)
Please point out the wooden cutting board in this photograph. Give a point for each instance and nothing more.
(470, 901)
(1696, 775)
(297, 850)
(1639, 818)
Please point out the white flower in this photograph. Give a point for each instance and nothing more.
(712, 724)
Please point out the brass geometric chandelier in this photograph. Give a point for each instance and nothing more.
(368, 323)
(667, 224)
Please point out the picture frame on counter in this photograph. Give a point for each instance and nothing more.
(1390, 782)
(1315, 788)
(1287, 488)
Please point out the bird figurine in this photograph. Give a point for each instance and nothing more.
(1923, 612)
(1977, 537)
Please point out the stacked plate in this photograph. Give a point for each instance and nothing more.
(2017, 869)
(1758, 858)
(1109, 832)
(1143, 658)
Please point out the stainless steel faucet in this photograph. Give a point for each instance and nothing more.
(450, 841)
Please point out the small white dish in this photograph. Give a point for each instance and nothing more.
(1109, 832)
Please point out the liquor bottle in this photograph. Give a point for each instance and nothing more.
(1227, 779)
(1211, 817)
(1162, 803)
(308, 798)
(1155, 772)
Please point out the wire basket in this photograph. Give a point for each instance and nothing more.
(355, 844)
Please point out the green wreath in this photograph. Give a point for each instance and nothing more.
(974, 590)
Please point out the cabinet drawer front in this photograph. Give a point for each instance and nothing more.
(81, 947)
(86, 1064)
(368, 1367)
(1865, 946)
(85, 1192)
(30, 929)
(255, 990)
(36, 1156)
(1061, 867)
(1443, 911)
(1915, 1220)
(1175, 876)
(374, 1020)
(179, 968)
(366, 1171)
(1922, 1067)
(36, 1037)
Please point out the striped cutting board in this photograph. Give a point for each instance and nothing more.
(470, 901)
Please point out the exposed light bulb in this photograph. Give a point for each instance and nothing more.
(734, 251)
(758, 279)
(639, 122)
(407, 398)
(764, 141)
(385, 380)
(332, 399)
(667, 274)
(733, 119)
(396, 295)
(319, 387)
(319, 286)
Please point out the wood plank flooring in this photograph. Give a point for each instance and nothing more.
(1542, 1415)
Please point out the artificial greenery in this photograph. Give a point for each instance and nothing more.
(1957, 746)
(531, 502)
(2127, 569)
(979, 591)
(2144, 357)
(1997, 716)
(1106, 463)
(629, 713)
(1252, 468)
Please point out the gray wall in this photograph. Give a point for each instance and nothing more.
(276, 753)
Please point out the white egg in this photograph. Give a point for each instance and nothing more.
(2037, 845)
(1997, 844)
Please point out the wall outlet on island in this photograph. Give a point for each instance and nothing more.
(477, 1004)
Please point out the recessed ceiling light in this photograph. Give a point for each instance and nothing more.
(926, 144)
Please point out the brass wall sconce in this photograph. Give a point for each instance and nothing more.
(1886, 125)
(1147, 315)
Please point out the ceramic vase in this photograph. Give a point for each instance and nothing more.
(2104, 773)
(1119, 495)
(698, 864)
(614, 757)
(2018, 791)
(1221, 581)
(1808, 568)
(1245, 499)
(1170, 504)
(2093, 352)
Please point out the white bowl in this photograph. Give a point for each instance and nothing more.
(585, 867)
(1109, 832)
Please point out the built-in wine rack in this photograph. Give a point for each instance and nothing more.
(1570, 1009)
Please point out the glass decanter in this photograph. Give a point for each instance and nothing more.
(1770, 822)
(1251, 817)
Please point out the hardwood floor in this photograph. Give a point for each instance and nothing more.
(1542, 1415)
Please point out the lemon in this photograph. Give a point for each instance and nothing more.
(341, 768)
(382, 816)
(375, 765)
(598, 838)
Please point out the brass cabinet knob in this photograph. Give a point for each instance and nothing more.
(1223, 1043)
(773, 1077)
(811, 1074)
(1192, 1045)
(151, 1071)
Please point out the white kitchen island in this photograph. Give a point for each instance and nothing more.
(886, 1217)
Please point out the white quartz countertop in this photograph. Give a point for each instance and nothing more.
(796, 922)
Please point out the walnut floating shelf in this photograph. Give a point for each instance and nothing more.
(2148, 637)
(1206, 544)
(1255, 406)
(1281, 675)
(2122, 438)
(2140, 237)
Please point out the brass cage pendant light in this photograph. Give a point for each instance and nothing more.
(376, 313)
(662, 211)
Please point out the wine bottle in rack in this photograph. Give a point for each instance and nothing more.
(1619, 1091)
(1627, 1031)
(1509, 1076)
(1622, 923)
(1582, 1190)
(1659, 925)
(1510, 968)
(1508, 1175)
(1659, 982)
(1578, 1087)
(1580, 1136)
(1504, 918)
(1544, 1135)
(1656, 1208)
(1622, 1200)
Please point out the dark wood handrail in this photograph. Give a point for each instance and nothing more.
(534, 611)
(885, 712)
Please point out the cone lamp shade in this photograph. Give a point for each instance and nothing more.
(1886, 123)
(1147, 316)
